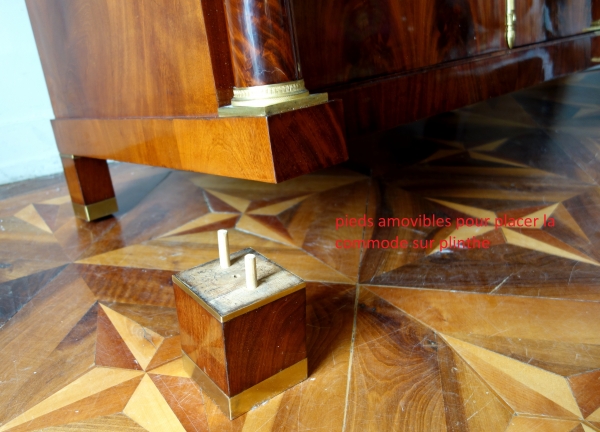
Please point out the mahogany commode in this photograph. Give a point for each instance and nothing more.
(220, 86)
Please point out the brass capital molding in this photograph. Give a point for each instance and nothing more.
(594, 26)
(97, 210)
(278, 108)
(511, 19)
(260, 96)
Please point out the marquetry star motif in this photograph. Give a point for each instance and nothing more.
(516, 346)
(536, 237)
(131, 363)
(483, 152)
(264, 210)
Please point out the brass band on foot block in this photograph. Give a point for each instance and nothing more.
(243, 402)
(97, 210)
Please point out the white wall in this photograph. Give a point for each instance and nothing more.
(27, 146)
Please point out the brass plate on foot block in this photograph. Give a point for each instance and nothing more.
(243, 402)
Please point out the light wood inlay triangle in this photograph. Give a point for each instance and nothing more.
(31, 216)
(525, 388)
(141, 341)
(148, 408)
(93, 382)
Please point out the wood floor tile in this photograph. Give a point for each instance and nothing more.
(30, 337)
(168, 350)
(562, 358)
(185, 399)
(469, 401)
(174, 202)
(111, 423)
(52, 410)
(72, 358)
(17, 293)
(173, 368)
(512, 317)
(128, 285)
(536, 424)
(26, 250)
(586, 389)
(141, 341)
(525, 388)
(111, 349)
(148, 408)
(182, 252)
(30, 215)
(395, 382)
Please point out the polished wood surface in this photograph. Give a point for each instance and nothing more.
(110, 58)
(202, 338)
(275, 337)
(262, 42)
(220, 51)
(541, 20)
(88, 180)
(256, 148)
(504, 339)
(346, 41)
(387, 102)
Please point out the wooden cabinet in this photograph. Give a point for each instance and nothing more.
(545, 20)
(269, 89)
(345, 41)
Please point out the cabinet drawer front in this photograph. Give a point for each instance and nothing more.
(542, 20)
(345, 40)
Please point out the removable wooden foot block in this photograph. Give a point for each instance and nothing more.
(243, 328)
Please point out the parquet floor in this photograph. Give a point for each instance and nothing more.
(418, 339)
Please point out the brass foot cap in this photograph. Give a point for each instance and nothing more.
(97, 210)
(243, 402)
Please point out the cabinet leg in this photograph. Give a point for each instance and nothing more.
(90, 187)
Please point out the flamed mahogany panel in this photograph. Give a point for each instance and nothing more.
(389, 102)
(113, 58)
(349, 40)
(261, 35)
(541, 20)
(216, 28)
(265, 341)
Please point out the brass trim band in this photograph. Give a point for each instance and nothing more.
(278, 108)
(511, 19)
(243, 402)
(260, 96)
(68, 156)
(97, 210)
(238, 312)
(594, 26)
